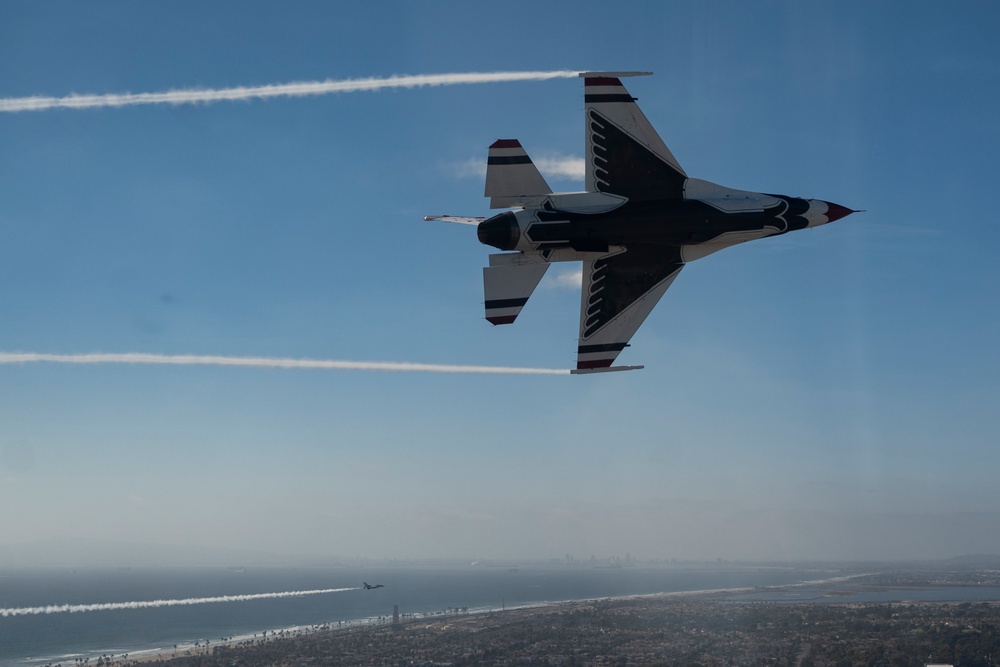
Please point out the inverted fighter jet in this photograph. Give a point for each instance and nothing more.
(639, 221)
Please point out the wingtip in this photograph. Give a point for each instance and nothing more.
(612, 75)
(606, 369)
(506, 143)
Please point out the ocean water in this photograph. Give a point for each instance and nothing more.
(28, 639)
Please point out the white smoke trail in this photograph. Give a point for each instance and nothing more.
(150, 604)
(266, 362)
(296, 89)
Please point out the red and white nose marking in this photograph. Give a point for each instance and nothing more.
(821, 212)
(836, 211)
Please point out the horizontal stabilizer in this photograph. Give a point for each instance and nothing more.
(508, 287)
(609, 369)
(512, 179)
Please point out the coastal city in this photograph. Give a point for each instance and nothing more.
(650, 631)
(818, 625)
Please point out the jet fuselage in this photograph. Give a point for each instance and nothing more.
(666, 222)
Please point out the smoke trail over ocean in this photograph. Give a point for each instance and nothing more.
(295, 89)
(150, 604)
(267, 362)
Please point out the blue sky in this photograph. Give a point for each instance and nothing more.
(826, 394)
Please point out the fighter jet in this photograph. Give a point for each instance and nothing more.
(640, 220)
(369, 587)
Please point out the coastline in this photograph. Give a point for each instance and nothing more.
(681, 627)
(834, 591)
(424, 620)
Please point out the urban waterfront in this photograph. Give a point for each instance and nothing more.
(647, 631)
(65, 615)
(892, 616)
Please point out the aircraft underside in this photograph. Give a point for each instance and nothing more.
(639, 221)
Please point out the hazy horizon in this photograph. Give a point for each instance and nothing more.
(73, 554)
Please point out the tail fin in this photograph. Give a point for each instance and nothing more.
(511, 177)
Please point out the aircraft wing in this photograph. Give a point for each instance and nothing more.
(625, 155)
(619, 292)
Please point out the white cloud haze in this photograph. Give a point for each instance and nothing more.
(572, 279)
(562, 167)
(557, 167)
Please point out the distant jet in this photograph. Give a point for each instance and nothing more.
(369, 587)
(638, 222)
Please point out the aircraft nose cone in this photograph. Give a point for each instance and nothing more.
(836, 211)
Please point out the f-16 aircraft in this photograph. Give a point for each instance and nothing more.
(369, 587)
(640, 220)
